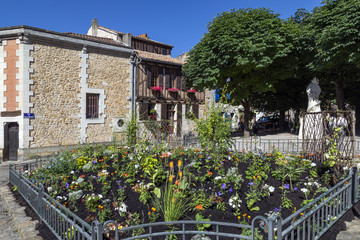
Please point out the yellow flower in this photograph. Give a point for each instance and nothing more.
(179, 163)
(172, 200)
(239, 217)
(170, 177)
(180, 174)
(171, 164)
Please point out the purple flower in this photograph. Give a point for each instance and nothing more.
(251, 183)
(94, 161)
(295, 188)
(219, 193)
(286, 186)
(209, 158)
(223, 186)
(230, 190)
(276, 210)
(67, 185)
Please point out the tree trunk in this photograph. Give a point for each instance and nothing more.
(282, 120)
(340, 95)
(247, 119)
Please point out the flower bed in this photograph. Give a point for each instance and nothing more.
(152, 184)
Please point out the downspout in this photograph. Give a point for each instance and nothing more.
(135, 61)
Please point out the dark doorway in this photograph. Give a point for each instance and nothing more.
(11, 141)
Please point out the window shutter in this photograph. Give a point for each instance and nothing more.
(195, 108)
(179, 119)
(178, 79)
(143, 111)
(167, 78)
(163, 111)
(217, 95)
(161, 79)
(148, 73)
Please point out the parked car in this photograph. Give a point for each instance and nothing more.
(266, 123)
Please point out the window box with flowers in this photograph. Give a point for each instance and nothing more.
(157, 88)
(173, 90)
(191, 90)
(152, 117)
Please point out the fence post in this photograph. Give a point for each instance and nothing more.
(271, 227)
(97, 230)
(354, 185)
(40, 205)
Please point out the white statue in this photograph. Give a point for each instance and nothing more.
(312, 123)
(313, 91)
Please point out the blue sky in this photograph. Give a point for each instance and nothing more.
(180, 23)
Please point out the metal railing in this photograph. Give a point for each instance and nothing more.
(309, 222)
(63, 223)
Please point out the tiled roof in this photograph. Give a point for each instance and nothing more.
(94, 38)
(136, 37)
(158, 57)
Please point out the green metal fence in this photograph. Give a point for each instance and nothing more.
(309, 222)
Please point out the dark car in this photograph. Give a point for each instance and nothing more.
(267, 123)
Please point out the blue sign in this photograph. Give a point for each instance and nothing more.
(28, 115)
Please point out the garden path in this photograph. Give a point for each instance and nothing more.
(14, 224)
(352, 231)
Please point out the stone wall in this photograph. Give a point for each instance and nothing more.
(112, 74)
(56, 95)
(58, 98)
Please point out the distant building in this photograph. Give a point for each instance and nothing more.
(161, 93)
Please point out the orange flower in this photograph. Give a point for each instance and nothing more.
(149, 213)
(200, 155)
(125, 174)
(270, 154)
(153, 209)
(210, 173)
(310, 154)
(199, 207)
(177, 182)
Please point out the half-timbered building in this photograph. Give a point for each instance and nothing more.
(160, 94)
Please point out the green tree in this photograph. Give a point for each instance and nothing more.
(336, 32)
(251, 47)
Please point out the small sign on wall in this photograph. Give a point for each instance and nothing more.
(28, 115)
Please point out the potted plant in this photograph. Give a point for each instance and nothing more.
(173, 90)
(157, 88)
(191, 90)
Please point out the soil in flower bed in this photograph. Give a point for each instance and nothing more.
(44, 231)
(114, 180)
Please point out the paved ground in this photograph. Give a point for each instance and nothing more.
(14, 224)
(352, 231)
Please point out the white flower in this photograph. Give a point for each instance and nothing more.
(310, 183)
(218, 178)
(271, 189)
(123, 208)
(345, 168)
(358, 166)
(313, 164)
(100, 196)
(316, 184)
(304, 190)
(50, 189)
(136, 166)
(72, 172)
(233, 201)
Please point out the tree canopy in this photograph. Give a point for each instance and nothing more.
(251, 47)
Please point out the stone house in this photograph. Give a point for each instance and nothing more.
(60, 89)
(161, 94)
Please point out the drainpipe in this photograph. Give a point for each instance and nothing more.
(135, 61)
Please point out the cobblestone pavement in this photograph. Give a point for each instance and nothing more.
(14, 224)
(352, 231)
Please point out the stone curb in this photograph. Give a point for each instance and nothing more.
(22, 223)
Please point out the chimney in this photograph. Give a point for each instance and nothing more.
(127, 39)
(94, 27)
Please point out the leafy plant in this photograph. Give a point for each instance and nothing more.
(202, 226)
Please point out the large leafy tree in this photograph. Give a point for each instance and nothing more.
(336, 32)
(252, 47)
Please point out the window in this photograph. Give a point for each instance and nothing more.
(172, 79)
(92, 105)
(154, 76)
(164, 52)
